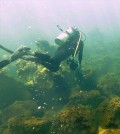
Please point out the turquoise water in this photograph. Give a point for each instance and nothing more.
(34, 100)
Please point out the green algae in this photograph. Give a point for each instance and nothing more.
(41, 102)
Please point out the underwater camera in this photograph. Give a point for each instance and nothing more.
(66, 35)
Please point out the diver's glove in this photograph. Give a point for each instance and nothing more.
(73, 64)
(21, 51)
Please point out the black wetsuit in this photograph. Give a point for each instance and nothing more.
(52, 63)
(62, 53)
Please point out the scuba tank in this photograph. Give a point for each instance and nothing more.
(66, 35)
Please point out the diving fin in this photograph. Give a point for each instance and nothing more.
(4, 63)
(6, 49)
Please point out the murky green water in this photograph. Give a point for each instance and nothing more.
(34, 100)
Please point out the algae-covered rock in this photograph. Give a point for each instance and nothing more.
(28, 126)
(3, 70)
(25, 69)
(19, 108)
(110, 113)
(45, 86)
(73, 120)
(108, 131)
(11, 90)
(86, 78)
(92, 98)
(109, 84)
(33, 75)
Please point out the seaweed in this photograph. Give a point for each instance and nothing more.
(86, 101)
(110, 113)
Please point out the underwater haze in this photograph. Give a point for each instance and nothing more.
(24, 22)
(34, 100)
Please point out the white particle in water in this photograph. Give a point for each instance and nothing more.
(53, 99)
(39, 107)
(60, 99)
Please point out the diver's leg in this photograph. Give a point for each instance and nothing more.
(33, 59)
(50, 63)
(42, 57)
(39, 55)
(51, 66)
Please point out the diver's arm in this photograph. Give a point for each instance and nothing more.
(28, 58)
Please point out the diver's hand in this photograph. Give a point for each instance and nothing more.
(73, 65)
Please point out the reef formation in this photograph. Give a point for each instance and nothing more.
(38, 101)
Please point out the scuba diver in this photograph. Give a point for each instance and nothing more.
(70, 44)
